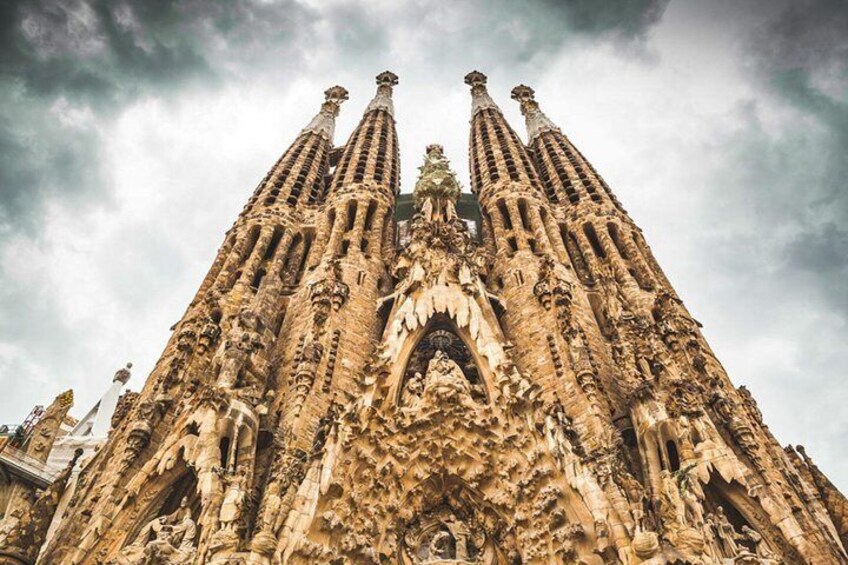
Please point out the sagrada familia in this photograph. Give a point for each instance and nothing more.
(505, 377)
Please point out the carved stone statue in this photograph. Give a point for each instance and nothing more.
(234, 357)
(635, 494)
(725, 534)
(412, 392)
(445, 382)
(168, 540)
(761, 548)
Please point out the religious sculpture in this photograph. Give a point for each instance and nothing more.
(167, 540)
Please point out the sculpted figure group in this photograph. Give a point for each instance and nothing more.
(167, 540)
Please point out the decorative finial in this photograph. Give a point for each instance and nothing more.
(523, 93)
(123, 375)
(383, 99)
(537, 121)
(480, 99)
(324, 123)
(387, 78)
(65, 399)
(336, 94)
(437, 188)
(475, 78)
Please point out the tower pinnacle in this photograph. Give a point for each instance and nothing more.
(480, 99)
(324, 123)
(383, 99)
(537, 121)
(437, 189)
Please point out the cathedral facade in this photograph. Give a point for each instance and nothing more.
(499, 378)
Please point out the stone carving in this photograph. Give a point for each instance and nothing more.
(168, 540)
(329, 293)
(724, 533)
(22, 537)
(440, 537)
(444, 383)
(237, 366)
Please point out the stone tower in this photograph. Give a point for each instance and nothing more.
(526, 390)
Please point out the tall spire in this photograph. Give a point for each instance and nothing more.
(480, 99)
(537, 121)
(567, 176)
(324, 123)
(371, 154)
(383, 99)
(298, 176)
(497, 156)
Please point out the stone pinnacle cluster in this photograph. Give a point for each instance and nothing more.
(498, 378)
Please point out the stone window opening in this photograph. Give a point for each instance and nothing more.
(278, 323)
(575, 255)
(594, 242)
(351, 215)
(224, 448)
(257, 279)
(612, 229)
(522, 214)
(369, 214)
(273, 244)
(295, 262)
(673, 456)
(507, 221)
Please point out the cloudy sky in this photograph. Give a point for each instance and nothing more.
(131, 133)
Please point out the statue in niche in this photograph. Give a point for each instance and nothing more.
(234, 499)
(445, 382)
(167, 540)
(673, 508)
(442, 546)
(724, 532)
(565, 441)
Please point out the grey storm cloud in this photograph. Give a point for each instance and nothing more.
(109, 213)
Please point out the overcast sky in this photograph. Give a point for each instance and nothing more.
(132, 132)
